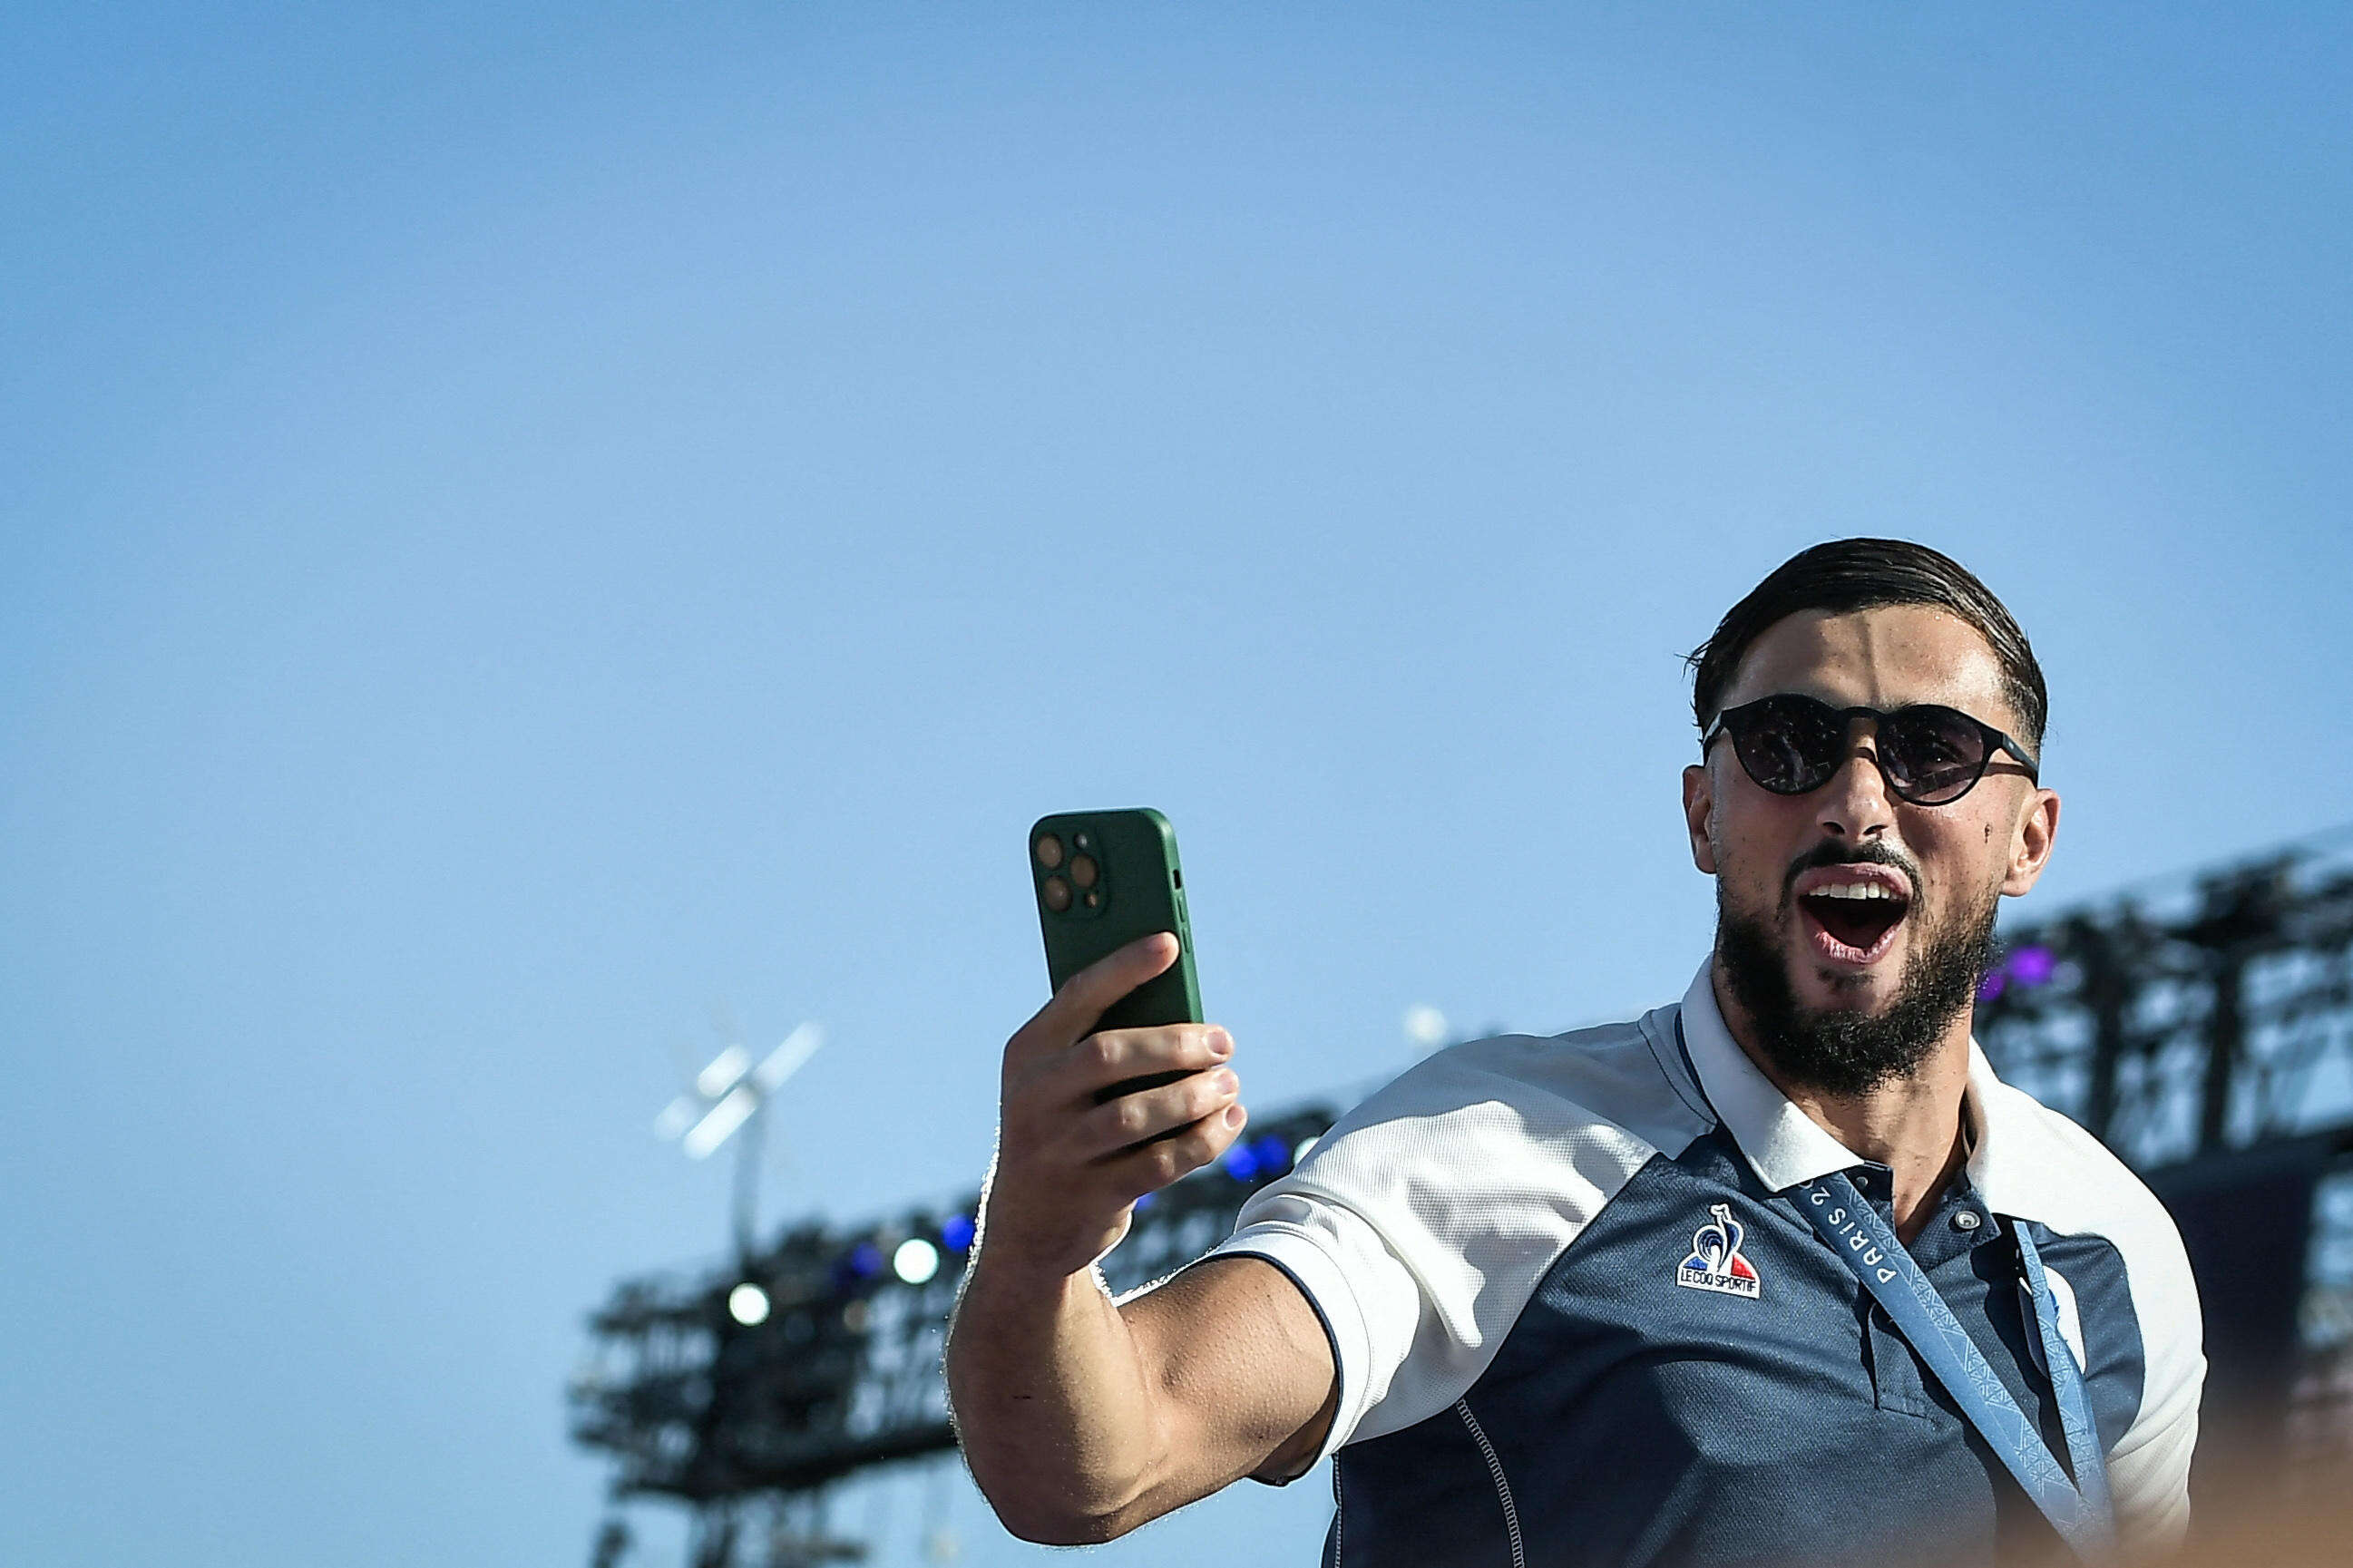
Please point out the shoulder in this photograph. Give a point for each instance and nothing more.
(1607, 1083)
(2038, 1164)
(1423, 1222)
(1477, 1135)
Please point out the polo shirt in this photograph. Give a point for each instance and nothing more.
(1577, 1318)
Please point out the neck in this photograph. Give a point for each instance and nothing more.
(1913, 1125)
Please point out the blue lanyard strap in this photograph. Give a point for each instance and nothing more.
(2079, 1509)
(2084, 1456)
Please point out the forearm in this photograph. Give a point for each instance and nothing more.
(1052, 1405)
(1077, 1426)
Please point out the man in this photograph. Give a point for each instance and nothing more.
(1781, 1273)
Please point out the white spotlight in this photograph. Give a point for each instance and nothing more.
(748, 1304)
(720, 1120)
(1425, 1027)
(720, 1076)
(787, 1058)
(916, 1260)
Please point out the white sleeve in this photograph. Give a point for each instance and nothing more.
(2149, 1470)
(1422, 1223)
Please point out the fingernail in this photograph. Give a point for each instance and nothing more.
(1223, 1081)
(1222, 1044)
(1235, 1115)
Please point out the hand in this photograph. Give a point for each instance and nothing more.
(1068, 1170)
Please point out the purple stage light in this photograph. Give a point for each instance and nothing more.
(2032, 966)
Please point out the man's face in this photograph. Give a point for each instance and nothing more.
(1856, 989)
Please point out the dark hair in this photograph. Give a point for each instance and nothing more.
(1849, 575)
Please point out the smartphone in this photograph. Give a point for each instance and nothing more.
(1103, 879)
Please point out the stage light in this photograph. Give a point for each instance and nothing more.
(1299, 1151)
(748, 1305)
(730, 1091)
(1270, 1153)
(916, 1261)
(787, 1058)
(866, 1260)
(2032, 965)
(1241, 1163)
(721, 1075)
(956, 1234)
(722, 1119)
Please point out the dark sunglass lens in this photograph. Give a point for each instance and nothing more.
(1932, 755)
(1787, 744)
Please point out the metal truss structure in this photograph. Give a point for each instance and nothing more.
(841, 1371)
(2213, 1015)
(2196, 1023)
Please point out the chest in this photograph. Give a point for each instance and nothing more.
(1699, 1378)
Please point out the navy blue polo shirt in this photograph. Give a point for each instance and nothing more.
(1577, 1317)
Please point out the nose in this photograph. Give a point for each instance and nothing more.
(1854, 804)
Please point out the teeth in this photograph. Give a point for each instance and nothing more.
(1854, 890)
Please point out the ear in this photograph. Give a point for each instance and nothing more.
(1699, 818)
(2031, 841)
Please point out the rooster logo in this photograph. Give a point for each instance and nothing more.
(1715, 1263)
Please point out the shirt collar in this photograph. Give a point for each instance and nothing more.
(1783, 1145)
(2001, 1166)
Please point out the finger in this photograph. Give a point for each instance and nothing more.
(1115, 1056)
(1153, 1166)
(1134, 1118)
(1080, 1002)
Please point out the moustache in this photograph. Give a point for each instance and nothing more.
(1831, 852)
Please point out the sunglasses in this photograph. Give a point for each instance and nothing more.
(1929, 754)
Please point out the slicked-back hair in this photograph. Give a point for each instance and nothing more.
(1849, 575)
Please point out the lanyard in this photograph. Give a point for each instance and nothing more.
(2078, 1510)
(2083, 1455)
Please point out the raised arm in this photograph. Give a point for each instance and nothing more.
(1080, 1420)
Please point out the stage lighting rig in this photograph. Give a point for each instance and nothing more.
(818, 1355)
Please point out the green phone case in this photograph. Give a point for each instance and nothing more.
(1136, 888)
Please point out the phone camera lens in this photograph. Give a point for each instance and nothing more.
(1048, 850)
(1083, 870)
(1058, 894)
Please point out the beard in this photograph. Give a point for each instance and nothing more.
(1846, 1051)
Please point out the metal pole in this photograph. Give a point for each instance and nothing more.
(2225, 1040)
(747, 1181)
(2107, 988)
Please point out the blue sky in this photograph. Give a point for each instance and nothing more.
(525, 530)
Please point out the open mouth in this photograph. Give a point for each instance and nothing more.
(1854, 920)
